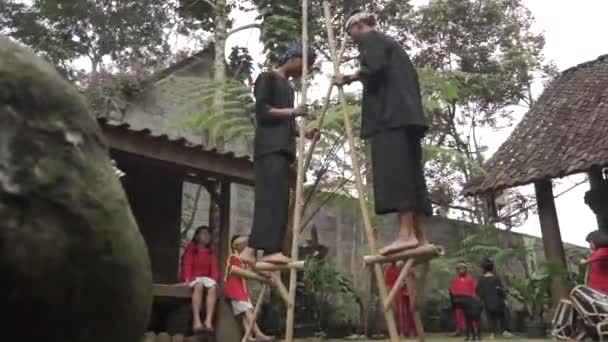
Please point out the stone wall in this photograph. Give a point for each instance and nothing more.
(339, 228)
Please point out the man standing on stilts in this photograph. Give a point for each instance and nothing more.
(393, 119)
(275, 150)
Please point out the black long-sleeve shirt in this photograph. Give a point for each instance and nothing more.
(491, 293)
(391, 91)
(273, 134)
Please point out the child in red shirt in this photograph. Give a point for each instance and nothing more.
(235, 290)
(200, 271)
(598, 273)
(463, 284)
(404, 314)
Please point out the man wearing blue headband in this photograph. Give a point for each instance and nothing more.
(275, 150)
(393, 119)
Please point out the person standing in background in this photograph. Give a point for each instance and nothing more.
(492, 294)
(463, 284)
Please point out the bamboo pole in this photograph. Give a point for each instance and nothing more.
(297, 216)
(280, 287)
(388, 314)
(266, 266)
(256, 311)
(411, 287)
(420, 254)
(325, 108)
(247, 274)
(405, 270)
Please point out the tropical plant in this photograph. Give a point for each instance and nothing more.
(336, 302)
(533, 293)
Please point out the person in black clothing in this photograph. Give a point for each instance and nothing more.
(492, 295)
(393, 119)
(274, 151)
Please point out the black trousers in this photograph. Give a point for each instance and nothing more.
(398, 175)
(496, 319)
(271, 202)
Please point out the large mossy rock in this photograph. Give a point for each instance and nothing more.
(73, 265)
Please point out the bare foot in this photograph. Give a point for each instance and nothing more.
(197, 328)
(248, 256)
(399, 245)
(208, 327)
(276, 258)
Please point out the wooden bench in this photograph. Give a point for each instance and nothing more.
(172, 309)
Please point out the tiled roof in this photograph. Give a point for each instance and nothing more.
(182, 142)
(564, 133)
(168, 98)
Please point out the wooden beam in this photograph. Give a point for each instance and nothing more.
(227, 326)
(239, 170)
(420, 254)
(173, 291)
(596, 182)
(552, 239)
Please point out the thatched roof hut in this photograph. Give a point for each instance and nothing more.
(564, 133)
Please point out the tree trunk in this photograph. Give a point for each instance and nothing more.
(219, 65)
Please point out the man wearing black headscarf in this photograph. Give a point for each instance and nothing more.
(393, 119)
(275, 150)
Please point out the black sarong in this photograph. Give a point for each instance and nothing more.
(271, 202)
(398, 174)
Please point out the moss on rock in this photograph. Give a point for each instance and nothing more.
(74, 266)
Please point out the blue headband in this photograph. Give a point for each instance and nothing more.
(296, 51)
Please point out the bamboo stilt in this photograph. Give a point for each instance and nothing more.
(413, 290)
(388, 314)
(265, 266)
(241, 272)
(282, 290)
(297, 216)
(405, 270)
(326, 104)
(256, 311)
(420, 254)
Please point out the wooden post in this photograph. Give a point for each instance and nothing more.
(297, 216)
(596, 179)
(227, 326)
(552, 239)
(388, 314)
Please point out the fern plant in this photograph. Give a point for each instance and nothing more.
(233, 119)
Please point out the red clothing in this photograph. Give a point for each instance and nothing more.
(235, 287)
(390, 278)
(461, 321)
(598, 274)
(403, 311)
(463, 286)
(199, 262)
